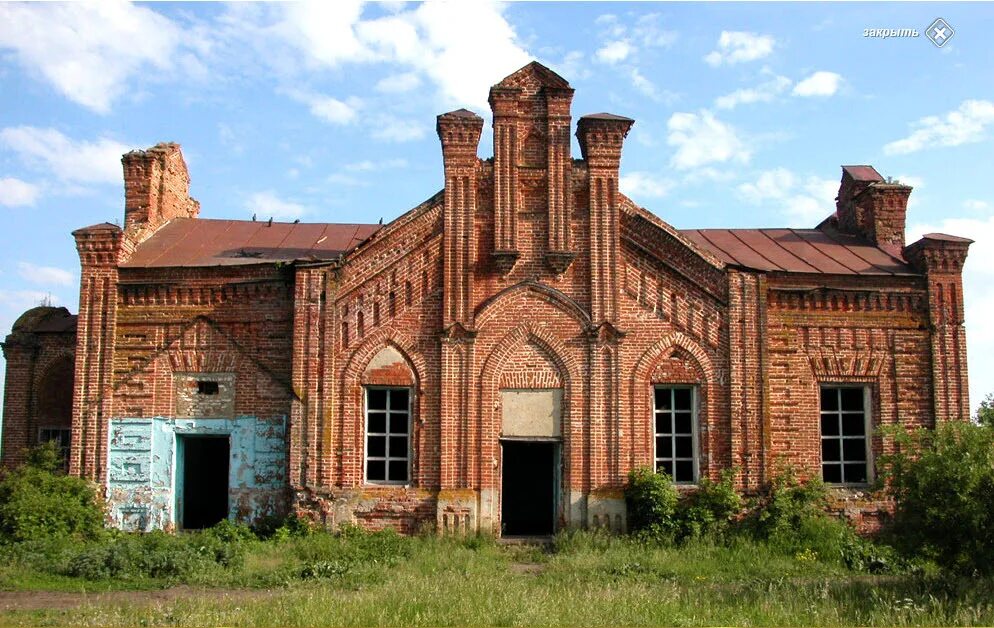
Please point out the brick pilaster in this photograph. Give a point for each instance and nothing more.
(941, 258)
(100, 250)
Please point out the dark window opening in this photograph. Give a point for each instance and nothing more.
(388, 428)
(844, 458)
(204, 491)
(528, 488)
(207, 387)
(674, 432)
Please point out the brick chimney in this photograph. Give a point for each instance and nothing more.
(872, 207)
(156, 190)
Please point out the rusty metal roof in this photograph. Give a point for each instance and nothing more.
(863, 173)
(812, 251)
(202, 242)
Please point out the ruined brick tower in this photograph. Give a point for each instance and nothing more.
(496, 359)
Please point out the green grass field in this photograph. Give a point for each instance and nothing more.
(583, 580)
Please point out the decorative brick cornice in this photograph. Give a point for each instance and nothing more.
(601, 137)
(831, 365)
(559, 261)
(605, 333)
(456, 333)
(99, 245)
(836, 300)
(938, 253)
(504, 261)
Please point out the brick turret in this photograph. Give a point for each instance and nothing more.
(872, 207)
(156, 190)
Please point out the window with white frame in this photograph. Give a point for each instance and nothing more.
(675, 420)
(388, 428)
(844, 427)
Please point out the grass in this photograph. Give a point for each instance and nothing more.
(583, 580)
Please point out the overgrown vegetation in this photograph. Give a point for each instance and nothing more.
(38, 502)
(698, 557)
(943, 480)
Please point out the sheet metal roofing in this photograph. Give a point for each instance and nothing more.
(798, 251)
(202, 242)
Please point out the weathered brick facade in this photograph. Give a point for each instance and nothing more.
(529, 272)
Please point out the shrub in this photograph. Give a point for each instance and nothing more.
(38, 501)
(651, 500)
(792, 518)
(708, 511)
(943, 483)
(159, 555)
(281, 528)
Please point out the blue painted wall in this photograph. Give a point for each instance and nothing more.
(142, 478)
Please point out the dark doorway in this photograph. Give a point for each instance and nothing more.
(203, 470)
(528, 488)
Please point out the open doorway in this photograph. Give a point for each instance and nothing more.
(201, 480)
(528, 487)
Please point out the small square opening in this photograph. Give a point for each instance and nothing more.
(206, 387)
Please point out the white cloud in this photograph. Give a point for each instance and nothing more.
(644, 185)
(77, 161)
(764, 92)
(267, 204)
(772, 184)
(819, 84)
(21, 300)
(398, 83)
(648, 32)
(978, 205)
(372, 166)
(965, 125)
(978, 294)
(44, 274)
(17, 193)
(804, 201)
(349, 175)
(462, 47)
(739, 47)
(649, 89)
(329, 108)
(701, 139)
(614, 51)
(88, 51)
(392, 129)
(913, 181)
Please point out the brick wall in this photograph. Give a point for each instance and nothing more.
(528, 270)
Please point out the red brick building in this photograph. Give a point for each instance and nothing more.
(498, 358)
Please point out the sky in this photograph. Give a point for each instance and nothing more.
(325, 113)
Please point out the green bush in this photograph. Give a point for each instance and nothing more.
(793, 519)
(651, 500)
(281, 528)
(159, 555)
(39, 501)
(709, 511)
(943, 483)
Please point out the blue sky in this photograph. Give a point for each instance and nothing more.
(326, 113)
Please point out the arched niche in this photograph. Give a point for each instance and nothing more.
(388, 367)
(53, 404)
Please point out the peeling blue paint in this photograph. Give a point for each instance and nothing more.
(143, 470)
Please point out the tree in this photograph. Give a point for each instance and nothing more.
(943, 483)
(985, 413)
